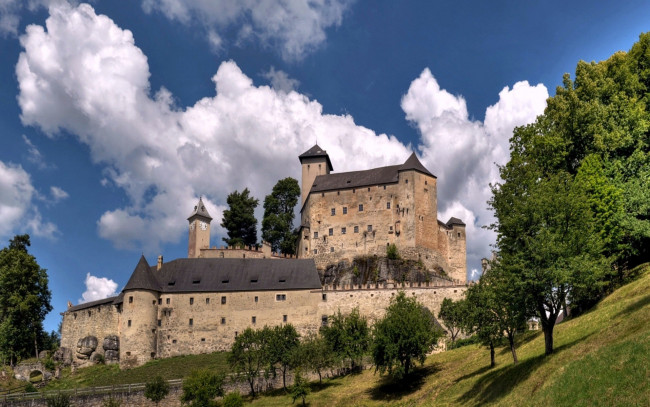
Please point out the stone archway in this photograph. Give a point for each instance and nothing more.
(26, 371)
(36, 376)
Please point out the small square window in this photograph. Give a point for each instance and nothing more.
(384, 186)
(345, 210)
(324, 295)
(191, 322)
(167, 301)
(458, 234)
(253, 319)
(331, 232)
(173, 340)
(333, 211)
(284, 318)
(223, 321)
(360, 207)
(256, 298)
(315, 251)
(223, 299)
(280, 297)
(207, 301)
(315, 235)
(130, 300)
(128, 323)
(160, 322)
(425, 182)
(323, 320)
(202, 339)
(356, 229)
(159, 301)
(331, 250)
(343, 230)
(368, 189)
(387, 205)
(191, 300)
(407, 181)
(369, 228)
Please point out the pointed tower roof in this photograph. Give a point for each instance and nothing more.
(199, 210)
(455, 221)
(316, 152)
(412, 163)
(142, 278)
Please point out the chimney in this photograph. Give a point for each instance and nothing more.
(69, 304)
(160, 262)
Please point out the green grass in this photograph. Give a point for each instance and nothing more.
(172, 368)
(601, 359)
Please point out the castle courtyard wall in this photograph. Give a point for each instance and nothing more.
(99, 321)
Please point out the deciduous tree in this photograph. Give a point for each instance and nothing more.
(201, 387)
(239, 219)
(277, 224)
(348, 336)
(452, 313)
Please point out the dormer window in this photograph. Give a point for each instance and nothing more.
(171, 283)
(196, 281)
(283, 280)
(253, 280)
(225, 281)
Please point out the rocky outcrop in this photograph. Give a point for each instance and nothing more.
(85, 347)
(63, 355)
(111, 347)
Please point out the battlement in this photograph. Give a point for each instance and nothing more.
(246, 252)
(394, 285)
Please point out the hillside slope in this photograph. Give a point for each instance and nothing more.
(601, 359)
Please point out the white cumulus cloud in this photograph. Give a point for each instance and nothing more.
(294, 27)
(98, 288)
(58, 194)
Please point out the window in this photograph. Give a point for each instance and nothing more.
(407, 181)
(387, 205)
(191, 300)
(458, 234)
(284, 318)
(167, 301)
(315, 235)
(343, 230)
(368, 189)
(360, 207)
(331, 250)
(253, 319)
(333, 211)
(159, 301)
(128, 323)
(89, 313)
(223, 321)
(191, 322)
(315, 251)
(223, 299)
(131, 300)
(256, 298)
(323, 320)
(384, 186)
(356, 229)
(425, 182)
(324, 295)
(331, 232)
(225, 281)
(253, 280)
(280, 297)
(173, 340)
(196, 281)
(160, 322)
(207, 301)
(345, 210)
(202, 339)
(369, 228)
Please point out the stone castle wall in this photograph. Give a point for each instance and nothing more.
(99, 321)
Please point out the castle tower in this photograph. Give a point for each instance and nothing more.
(315, 161)
(199, 230)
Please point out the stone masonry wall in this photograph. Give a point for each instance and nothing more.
(99, 321)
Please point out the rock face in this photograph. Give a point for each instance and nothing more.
(86, 346)
(112, 356)
(63, 355)
(44, 354)
(111, 347)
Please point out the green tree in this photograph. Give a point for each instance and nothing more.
(201, 387)
(248, 355)
(156, 389)
(452, 313)
(239, 219)
(282, 345)
(300, 388)
(315, 354)
(24, 300)
(480, 319)
(232, 399)
(348, 336)
(405, 335)
(277, 224)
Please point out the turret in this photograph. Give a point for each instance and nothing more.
(199, 233)
(315, 162)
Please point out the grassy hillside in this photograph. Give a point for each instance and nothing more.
(601, 359)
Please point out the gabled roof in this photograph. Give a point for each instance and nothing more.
(91, 304)
(316, 152)
(225, 275)
(142, 278)
(199, 210)
(412, 163)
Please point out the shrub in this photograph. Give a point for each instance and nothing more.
(156, 389)
(391, 252)
(29, 388)
(201, 387)
(233, 399)
(111, 402)
(300, 388)
(49, 364)
(60, 400)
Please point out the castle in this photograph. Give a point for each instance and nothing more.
(199, 304)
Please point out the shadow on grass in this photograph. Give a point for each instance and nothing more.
(635, 306)
(390, 389)
(500, 381)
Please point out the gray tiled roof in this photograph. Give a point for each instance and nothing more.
(375, 176)
(142, 277)
(91, 304)
(199, 210)
(455, 221)
(223, 275)
(315, 152)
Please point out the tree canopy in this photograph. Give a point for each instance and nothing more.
(452, 313)
(239, 219)
(277, 224)
(24, 301)
(348, 336)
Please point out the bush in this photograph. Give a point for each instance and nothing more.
(201, 387)
(49, 364)
(300, 388)
(29, 388)
(233, 399)
(60, 400)
(111, 402)
(391, 252)
(156, 390)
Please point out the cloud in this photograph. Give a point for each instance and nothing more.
(10, 11)
(294, 27)
(280, 80)
(58, 194)
(463, 152)
(98, 288)
(18, 214)
(85, 75)
(35, 156)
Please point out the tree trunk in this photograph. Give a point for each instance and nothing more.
(251, 381)
(320, 379)
(548, 339)
(492, 354)
(35, 344)
(511, 340)
(284, 377)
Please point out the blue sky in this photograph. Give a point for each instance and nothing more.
(116, 115)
